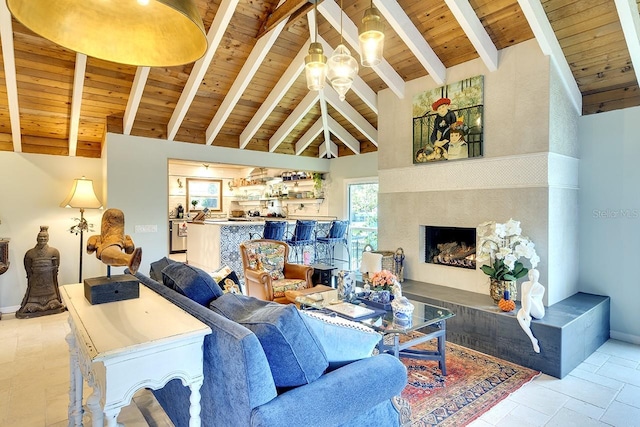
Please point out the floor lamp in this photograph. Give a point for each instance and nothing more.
(81, 197)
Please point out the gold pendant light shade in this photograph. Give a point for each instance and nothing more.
(145, 32)
(371, 38)
(315, 67)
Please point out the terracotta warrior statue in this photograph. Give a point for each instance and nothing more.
(112, 241)
(41, 263)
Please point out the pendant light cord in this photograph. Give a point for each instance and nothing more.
(341, 12)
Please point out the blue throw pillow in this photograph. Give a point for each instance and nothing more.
(294, 353)
(155, 272)
(344, 341)
(191, 282)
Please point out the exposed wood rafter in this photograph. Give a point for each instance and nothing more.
(76, 101)
(475, 31)
(630, 21)
(214, 36)
(309, 136)
(137, 89)
(351, 114)
(534, 12)
(290, 8)
(343, 135)
(290, 123)
(8, 57)
(402, 25)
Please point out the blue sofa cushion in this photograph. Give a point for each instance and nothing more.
(192, 282)
(294, 353)
(155, 272)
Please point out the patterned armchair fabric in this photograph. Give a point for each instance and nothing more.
(267, 273)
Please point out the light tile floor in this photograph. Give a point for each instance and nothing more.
(34, 381)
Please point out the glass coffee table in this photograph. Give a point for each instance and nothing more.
(429, 319)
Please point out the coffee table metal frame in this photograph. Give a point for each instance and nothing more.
(425, 316)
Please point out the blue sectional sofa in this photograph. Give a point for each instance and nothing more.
(239, 387)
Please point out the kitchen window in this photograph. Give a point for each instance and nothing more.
(204, 193)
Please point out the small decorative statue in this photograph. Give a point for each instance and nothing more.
(112, 241)
(532, 306)
(41, 263)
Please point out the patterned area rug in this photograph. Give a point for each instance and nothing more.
(475, 383)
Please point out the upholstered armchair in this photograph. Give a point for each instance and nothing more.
(268, 274)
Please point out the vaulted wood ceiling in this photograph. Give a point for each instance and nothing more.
(249, 91)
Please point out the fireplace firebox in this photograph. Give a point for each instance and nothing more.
(451, 246)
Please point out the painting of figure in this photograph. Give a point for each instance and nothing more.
(447, 122)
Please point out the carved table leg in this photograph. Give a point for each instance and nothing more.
(75, 384)
(93, 402)
(194, 400)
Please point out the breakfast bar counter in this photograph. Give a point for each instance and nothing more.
(215, 243)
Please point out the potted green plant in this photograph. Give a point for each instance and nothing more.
(318, 185)
(194, 202)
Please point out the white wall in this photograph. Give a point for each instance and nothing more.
(33, 186)
(609, 214)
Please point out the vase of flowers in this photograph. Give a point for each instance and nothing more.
(501, 248)
(379, 289)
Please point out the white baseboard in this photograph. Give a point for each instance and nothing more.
(633, 339)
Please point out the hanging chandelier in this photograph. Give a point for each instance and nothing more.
(315, 63)
(371, 37)
(144, 32)
(343, 68)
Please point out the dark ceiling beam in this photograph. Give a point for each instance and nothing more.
(290, 8)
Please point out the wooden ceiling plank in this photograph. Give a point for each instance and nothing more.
(343, 135)
(550, 46)
(292, 120)
(407, 31)
(630, 20)
(8, 59)
(473, 28)
(137, 89)
(214, 36)
(275, 96)
(76, 102)
(309, 136)
(331, 11)
(253, 62)
(351, 114)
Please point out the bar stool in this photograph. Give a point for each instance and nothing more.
(301, 237)
(273, 230)
(337, 235)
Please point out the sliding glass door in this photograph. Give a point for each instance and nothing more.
(363, 217)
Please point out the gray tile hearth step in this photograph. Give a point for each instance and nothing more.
(570, 331)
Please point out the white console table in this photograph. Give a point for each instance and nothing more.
(121, 347)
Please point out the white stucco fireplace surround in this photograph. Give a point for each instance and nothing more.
(528, 172)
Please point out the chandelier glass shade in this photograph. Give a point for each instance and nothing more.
(343, 68)
(315, 67)
(143, 33)
(371, 37)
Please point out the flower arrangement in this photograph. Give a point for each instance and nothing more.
(383, 280)
(502, 246)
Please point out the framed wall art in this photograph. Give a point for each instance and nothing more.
(447, 122)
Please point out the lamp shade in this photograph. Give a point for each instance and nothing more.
(343, 68)
(81, 195)
(144, 33)
(371, 38)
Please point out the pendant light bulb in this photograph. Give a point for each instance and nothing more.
(315, 67)
(371, 37)
(343, 69)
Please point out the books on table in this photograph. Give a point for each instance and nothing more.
(349, 310)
